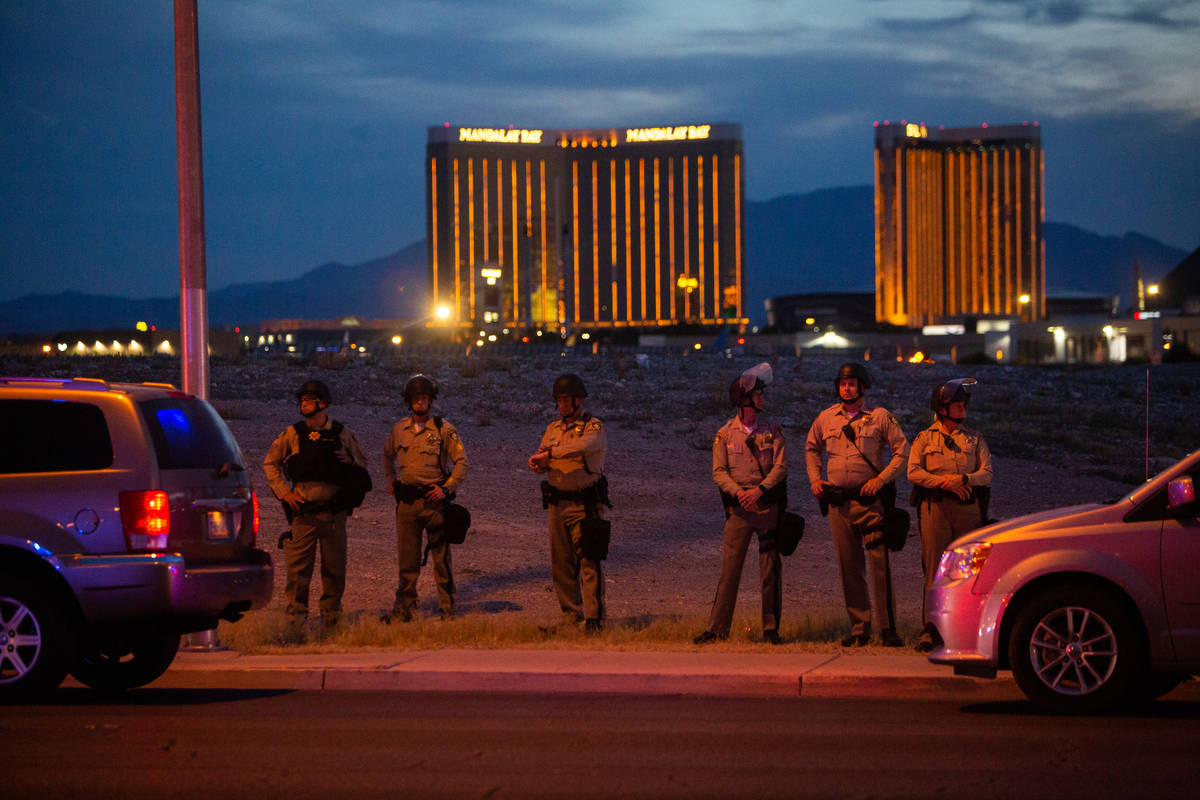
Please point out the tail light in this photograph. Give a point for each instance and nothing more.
(146, 519)
(254, 506)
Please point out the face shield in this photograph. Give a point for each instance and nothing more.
(750, 378)
(956, 390)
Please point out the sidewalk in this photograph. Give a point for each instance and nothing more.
(575, 671)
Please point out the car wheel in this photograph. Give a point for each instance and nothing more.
(128, 663)
(36, 642)
(1074, 649)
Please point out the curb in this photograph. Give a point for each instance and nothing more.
(812, 675)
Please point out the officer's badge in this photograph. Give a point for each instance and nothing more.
(314, 436)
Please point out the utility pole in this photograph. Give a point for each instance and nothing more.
(193, 289)
(193, 280)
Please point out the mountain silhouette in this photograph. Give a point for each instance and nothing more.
(821, 241)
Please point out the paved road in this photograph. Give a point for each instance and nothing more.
(274, 743)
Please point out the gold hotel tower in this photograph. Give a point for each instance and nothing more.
(565, 230)
(958, 223)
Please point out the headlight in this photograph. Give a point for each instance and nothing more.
(963, 562)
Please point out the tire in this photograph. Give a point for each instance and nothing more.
(36, 641)
(128, 662)
(1076, 650)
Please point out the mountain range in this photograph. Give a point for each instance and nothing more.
(821, 241)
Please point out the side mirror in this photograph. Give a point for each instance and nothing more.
(1181, 495)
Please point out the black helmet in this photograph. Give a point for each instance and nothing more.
(315, 387)
(952, 391)
(856, 371)
(570, 384)
(420, 384)
(749, 382)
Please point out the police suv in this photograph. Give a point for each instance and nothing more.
(126, 519)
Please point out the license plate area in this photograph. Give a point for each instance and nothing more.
(221, 526)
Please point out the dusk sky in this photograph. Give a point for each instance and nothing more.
(315, 113)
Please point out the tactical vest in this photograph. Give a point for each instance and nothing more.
(316, 460)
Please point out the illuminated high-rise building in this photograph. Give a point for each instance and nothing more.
(958, 223)
(569, 230)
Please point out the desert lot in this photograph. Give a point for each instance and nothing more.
(1060, 435)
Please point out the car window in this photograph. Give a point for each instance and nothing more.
(187, 433)
(54, 436)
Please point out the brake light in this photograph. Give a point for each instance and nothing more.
(254, 506)
(146, 519)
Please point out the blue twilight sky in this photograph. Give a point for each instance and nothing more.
(315, 112)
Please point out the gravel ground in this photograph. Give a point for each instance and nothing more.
(1059, 435)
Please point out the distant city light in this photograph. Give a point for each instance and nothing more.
(443, 312)
(397, 339)
(1152, 289)
(1023, 298)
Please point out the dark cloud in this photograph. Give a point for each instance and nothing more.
(315, 114)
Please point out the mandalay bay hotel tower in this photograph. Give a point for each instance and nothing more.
(958, 223)
(569, 231)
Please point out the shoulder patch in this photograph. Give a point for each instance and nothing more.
(892, 419)
(594, 425)
(720, 438)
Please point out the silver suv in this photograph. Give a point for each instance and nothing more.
(126, 519)
(1091, 606)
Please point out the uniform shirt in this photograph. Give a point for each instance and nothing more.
(873, 427)
(576, 452)
(937, 452)
(744, 459)
(288, 443)
(424, 456)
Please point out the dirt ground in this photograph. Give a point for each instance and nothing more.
(660, 419)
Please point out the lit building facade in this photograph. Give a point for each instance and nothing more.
(958, 223)
(565, 230)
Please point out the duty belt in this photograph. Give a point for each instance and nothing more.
(412, 492)
(590, 496)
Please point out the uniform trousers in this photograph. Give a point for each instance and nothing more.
(849, 524)
(735, 540)
(411, 519)
(578, 581)
(325, 531)
(941, 522)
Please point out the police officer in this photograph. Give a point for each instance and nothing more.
(851, 436)
(424, 464)
(315, 467)
(571, 456)
(950, 468)
(750, 468)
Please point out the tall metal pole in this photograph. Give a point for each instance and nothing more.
(193, 294)
(193, 281)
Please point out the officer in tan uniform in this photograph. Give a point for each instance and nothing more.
(571, 456)
(851, 436)
(311, 467)
(424, 464)
(750, 468)
(950, 468)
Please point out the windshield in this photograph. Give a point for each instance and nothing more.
(188, 433)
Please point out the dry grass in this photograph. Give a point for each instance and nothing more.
(270, 633)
